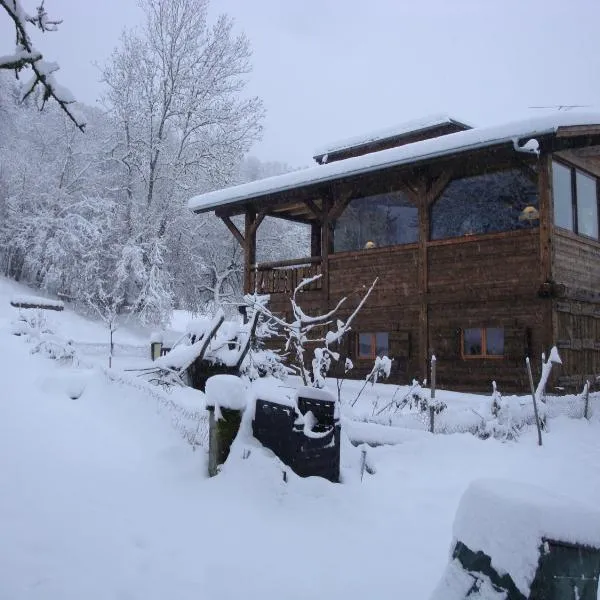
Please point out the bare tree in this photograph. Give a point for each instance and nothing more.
(306, 329)
(221, 274)
(26, 55)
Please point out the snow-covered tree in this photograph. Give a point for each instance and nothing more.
(175, 93)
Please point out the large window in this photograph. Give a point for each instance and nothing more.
(374, 221)
(575, 196)
(483, 342)
(371, 345)
(487, 203)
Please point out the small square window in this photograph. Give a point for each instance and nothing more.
(371, 345)
(483, 342)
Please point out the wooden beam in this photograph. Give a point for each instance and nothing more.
(291, 262)
(234, 230)
(326, 244)
(315, 239)
(339, 206)
(292, 218)
(314, 209)
(545, 207)
(577, 130)
(423, 280)
(258, 219)
(249, 247)
(437, 186)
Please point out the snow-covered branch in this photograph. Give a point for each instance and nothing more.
(26, 55)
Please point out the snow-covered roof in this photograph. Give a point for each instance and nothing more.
(396, 131)
(462, 141)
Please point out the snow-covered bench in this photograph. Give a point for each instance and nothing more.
(36, 302)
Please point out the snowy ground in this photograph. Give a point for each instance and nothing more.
(102, 498)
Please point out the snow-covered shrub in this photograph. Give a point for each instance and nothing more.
(381, 369)
(31, 323)
(56, 347)
(263, 363)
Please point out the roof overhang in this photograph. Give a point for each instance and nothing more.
(515, 133)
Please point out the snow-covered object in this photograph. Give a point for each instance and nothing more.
(36, 302)
(313, 393)
(226, 391)
(400, 130)
(508, 521)
(462, 141)
(156, 337)
(198, 327)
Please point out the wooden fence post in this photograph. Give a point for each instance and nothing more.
(431, 402)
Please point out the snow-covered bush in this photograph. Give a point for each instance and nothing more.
(33, 326)
(381, 369)
(55, 347)
(263, 363)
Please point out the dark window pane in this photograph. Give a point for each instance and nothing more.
(472, 342)
(364, 344)
(380, 220)
(563, 205)
(587, 205)
(381, 344)
(494, 341)
(484, 204)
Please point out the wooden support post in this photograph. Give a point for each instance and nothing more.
(586, 408)
(315, 239)
(545, 208)
(432, 388)
(249, 248)
(535, 409)
(326, 245)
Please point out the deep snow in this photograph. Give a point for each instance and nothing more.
(101, 498)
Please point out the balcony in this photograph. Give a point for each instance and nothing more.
(283, 277)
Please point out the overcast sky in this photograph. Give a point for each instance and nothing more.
(330, 69)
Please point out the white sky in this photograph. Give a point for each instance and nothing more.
(331, 69)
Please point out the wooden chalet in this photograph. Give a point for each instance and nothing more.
(485, 241)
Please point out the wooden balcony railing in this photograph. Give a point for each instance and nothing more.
(283, 277)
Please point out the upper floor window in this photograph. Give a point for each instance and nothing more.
(575, 196)
(488, 203)
(379, 220)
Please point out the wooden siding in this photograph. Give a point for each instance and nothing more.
(576, 262)
(523, 322)
(503, 265)
(396, 268)
(578, 341)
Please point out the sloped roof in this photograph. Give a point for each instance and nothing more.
(396, 131)
(472, 139)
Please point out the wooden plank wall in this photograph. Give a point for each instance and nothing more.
(576, 261)
(524, 322)
(395, 266)
(504, 265)
(578, 342)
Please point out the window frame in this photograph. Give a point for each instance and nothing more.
(484, 354)
(574, 204)
(373, 347)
